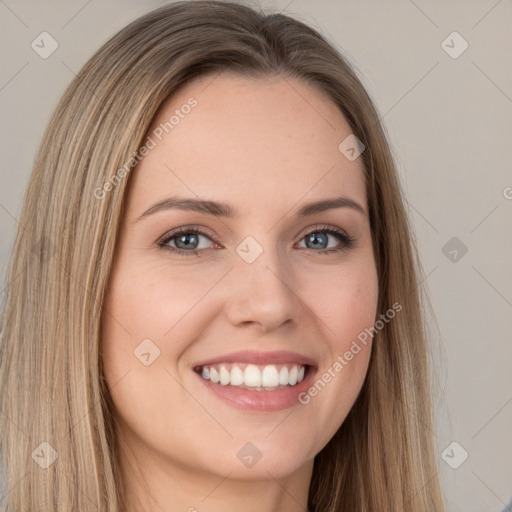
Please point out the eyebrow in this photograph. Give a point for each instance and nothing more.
(225, 210)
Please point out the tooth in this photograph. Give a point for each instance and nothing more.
(283, 375)
(252, 375)
(237, 376)
(292, 377)
(224, 375)
(269, 377)
(214, 375)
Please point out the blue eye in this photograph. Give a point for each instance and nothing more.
(321, 237)
(186, 241)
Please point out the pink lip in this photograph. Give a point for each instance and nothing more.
(257, 357)
(262, 401)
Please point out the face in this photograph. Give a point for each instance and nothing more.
(273, 293)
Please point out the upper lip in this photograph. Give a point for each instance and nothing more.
(258, 357)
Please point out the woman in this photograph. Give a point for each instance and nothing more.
(213, 296)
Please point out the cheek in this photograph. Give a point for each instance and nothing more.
(346, 303)
(150, 302)
(146, 314)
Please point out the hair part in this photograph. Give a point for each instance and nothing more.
(51, 378)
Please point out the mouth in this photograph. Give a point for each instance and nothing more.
(254, 377)
(258, 381)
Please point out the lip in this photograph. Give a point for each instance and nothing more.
(258, 357)
(261, 401)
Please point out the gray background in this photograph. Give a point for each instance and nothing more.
(449, 121)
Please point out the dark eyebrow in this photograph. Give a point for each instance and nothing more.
(224, 210)
(329, 204)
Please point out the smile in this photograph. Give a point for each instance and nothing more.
(258, 381)
(254, 377)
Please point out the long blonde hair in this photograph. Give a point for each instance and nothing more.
(51, 379)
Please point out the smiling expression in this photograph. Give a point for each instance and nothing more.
(223, 250)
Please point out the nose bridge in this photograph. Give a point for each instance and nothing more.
(260, 287)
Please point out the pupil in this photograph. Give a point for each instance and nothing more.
(315, 237)
(185, 239)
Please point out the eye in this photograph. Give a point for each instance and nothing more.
(318, 238)
(186, 241)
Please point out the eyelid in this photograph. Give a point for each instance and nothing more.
(345, 240)
(321, 227)
(192, 228)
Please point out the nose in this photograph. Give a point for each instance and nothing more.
(262, 293)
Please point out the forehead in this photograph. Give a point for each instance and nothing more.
(245, 141)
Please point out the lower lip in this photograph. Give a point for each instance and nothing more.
(268, 401)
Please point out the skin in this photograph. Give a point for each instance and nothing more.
(266, 147)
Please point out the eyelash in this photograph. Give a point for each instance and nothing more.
(347, 242)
